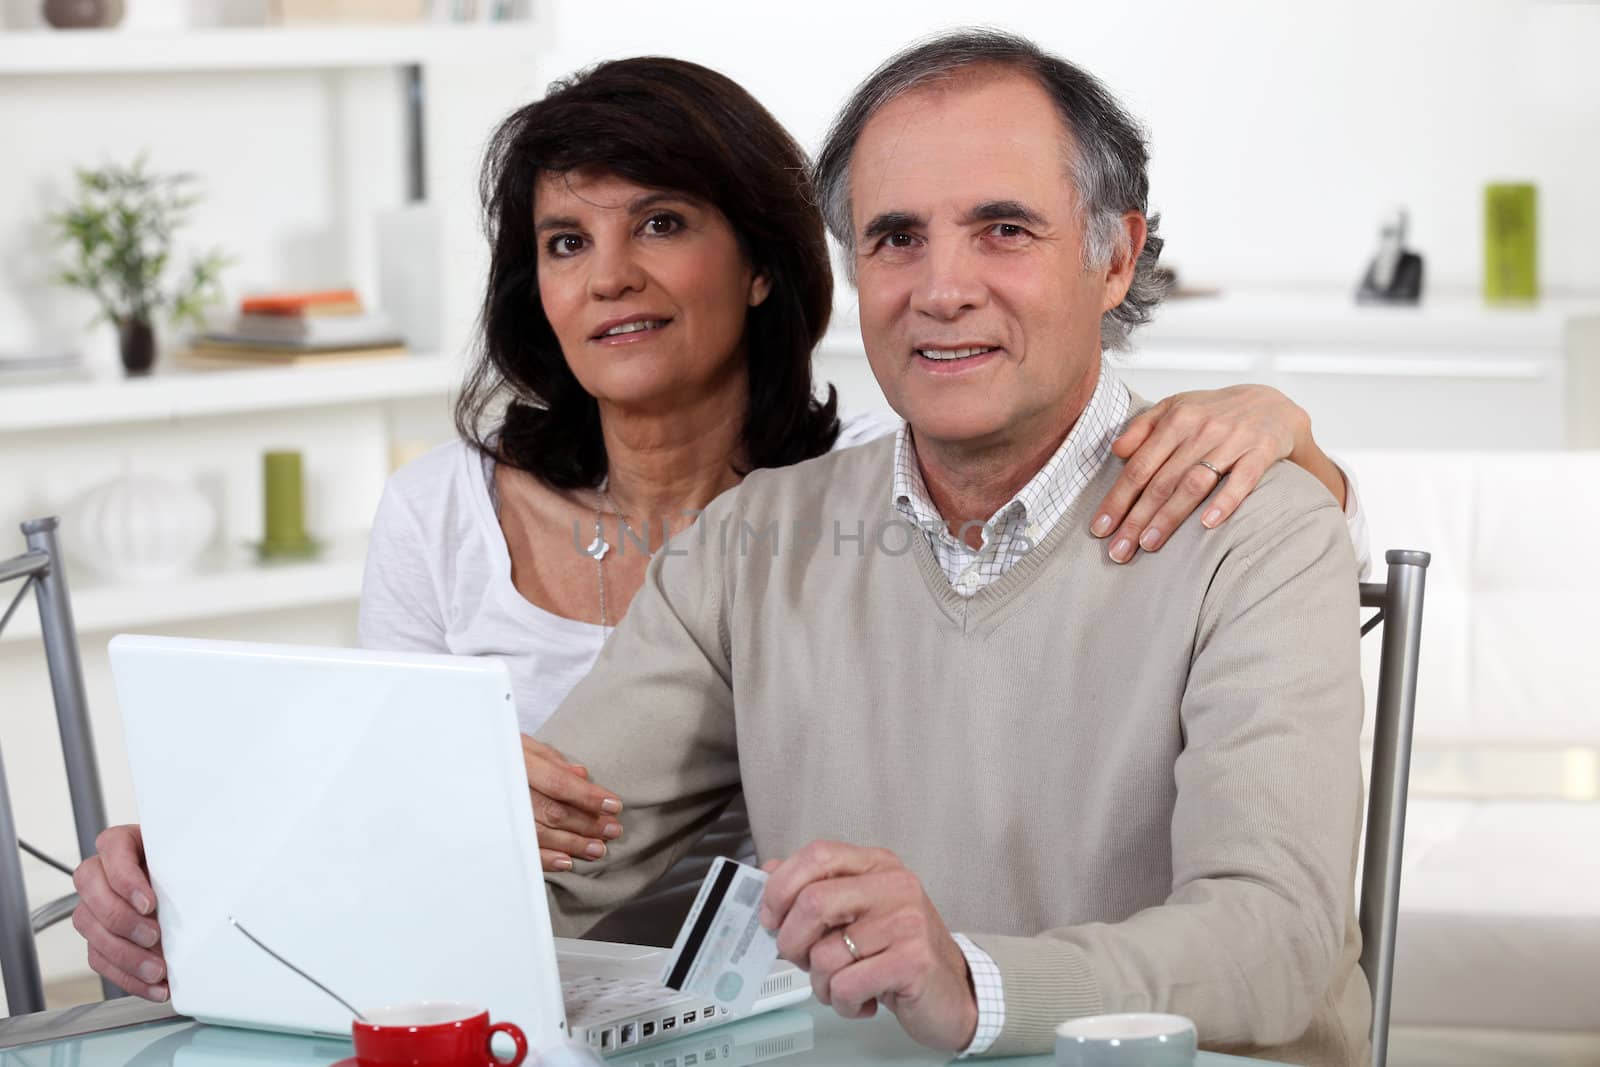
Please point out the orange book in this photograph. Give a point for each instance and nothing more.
(319, 302)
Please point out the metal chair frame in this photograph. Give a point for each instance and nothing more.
(40, 568)
(1399, 604)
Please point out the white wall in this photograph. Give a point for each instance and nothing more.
(1280, 131)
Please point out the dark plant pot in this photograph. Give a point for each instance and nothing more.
(82, 14)
(138, 342)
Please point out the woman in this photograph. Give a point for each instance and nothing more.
(658, 280)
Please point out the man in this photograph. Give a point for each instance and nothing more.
(1129, 793)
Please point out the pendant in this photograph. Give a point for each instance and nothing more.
(597, 548)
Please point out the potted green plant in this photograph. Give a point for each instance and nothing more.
(119, 233)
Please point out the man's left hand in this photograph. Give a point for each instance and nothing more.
(904, 957)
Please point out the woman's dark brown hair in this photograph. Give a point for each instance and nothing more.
(666, 124)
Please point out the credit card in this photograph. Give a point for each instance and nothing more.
(723, 951)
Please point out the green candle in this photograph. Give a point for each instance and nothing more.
(285, 502)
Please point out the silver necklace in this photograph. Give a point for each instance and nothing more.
(622, 520)
(600, 546)
(597, 551)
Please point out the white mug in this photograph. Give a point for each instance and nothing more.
(1133, 1039)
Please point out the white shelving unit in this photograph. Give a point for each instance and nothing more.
(361, 123)
(48, 52)
(182, 394)
(368, 393)
(233, 583)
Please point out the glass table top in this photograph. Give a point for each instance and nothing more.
(803, 1036)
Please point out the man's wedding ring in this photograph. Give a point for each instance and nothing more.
(850, 946)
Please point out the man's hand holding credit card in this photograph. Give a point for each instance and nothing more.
(723, 951)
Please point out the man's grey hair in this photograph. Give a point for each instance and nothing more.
(1109, 160)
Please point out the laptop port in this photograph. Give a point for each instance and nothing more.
(625, 1035)
(608, 1037)
(647, 1029)
(689, 1017)
(690, 1059)
(709, 1011)
(668, 1023)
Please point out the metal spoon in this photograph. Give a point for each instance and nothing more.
(257, 942)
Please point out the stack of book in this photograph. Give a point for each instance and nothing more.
(315, 327)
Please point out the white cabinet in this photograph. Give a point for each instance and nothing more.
(1452, 373)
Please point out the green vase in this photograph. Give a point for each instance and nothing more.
(1510, 242)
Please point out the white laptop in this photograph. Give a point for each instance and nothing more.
(365, 816)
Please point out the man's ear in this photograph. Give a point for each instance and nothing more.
(1119, 276)
(760, 289)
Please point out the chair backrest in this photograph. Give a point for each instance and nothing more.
(40, 567)
(1399, 604)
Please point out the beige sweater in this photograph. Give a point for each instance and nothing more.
(1137, 788)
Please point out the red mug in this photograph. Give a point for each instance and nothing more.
(431, 1034)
